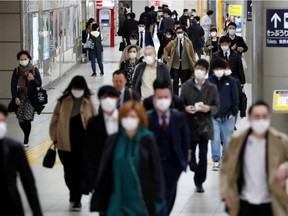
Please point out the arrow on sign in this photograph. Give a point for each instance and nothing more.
(275, 18)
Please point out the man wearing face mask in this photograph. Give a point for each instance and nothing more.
(232, 57)
(144, 36)
(180, 56)
(184, 18)
(147, 72)
(237, 42)
(172, 136)
(201, 102)
(224, 119)
(206, 23)
(98, 128)
(255, 168)
(13, 162)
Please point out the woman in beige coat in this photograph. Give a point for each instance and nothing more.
(67, 128)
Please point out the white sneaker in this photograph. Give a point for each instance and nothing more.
(25, 145)
(216, 166)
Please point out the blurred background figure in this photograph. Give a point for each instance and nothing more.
(206, 23)
(212, 44)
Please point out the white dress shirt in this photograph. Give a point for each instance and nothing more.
(228, 53)
(111, 122)
(255, 188)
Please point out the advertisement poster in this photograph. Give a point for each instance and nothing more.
(54, 30)
(45, 34)
(35, 38)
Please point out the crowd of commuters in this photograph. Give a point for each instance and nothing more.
(131, 154)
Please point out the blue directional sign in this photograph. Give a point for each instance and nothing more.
(277, 28)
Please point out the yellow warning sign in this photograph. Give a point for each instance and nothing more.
(280, 100)
(235, 10)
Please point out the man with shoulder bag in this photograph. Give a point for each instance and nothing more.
(201, 102)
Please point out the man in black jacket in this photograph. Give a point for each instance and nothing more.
(130, 25)
(184, 18)
(196, 35)
(237, 43)
(232, 57)
(13, 162)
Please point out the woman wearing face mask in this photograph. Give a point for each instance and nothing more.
(125, 54)
(130, 155)
(165, 41)
(129, 65)
(25, 79)
(67, 128)
(211, 45)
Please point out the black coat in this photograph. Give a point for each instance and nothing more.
(14, 163)
(129, 26)
(95, 138)
(236, 63)
(196, 35)
(151, 175)
(177, 103)
(239, 41)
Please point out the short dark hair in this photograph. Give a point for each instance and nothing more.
(210, 12)
(3, 110)
(108, 91)
(259, 102)
(202, 62)
(197, 18)
(132, 15)
(232, 24)
(185, 10)
(169, 30)
(218, 63)
(134, 36)
(141, 22)
(179, 28)
(152, 7)
(167, 10)
(23, 52)
(160, 84)
(119, 72)
(95, 26)
(213, 29)
(224, 39)
(177, 22)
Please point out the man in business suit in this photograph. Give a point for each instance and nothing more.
(255, 167)
(98, 128)
(126, 93)
(176, 103)
(144, 36)
(13, 162)
(171, 131)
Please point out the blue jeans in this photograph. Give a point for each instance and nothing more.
(223, 129)
(93, 56)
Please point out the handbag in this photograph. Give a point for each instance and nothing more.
(122, 45)
(50, 157)
(39, 97)
(12, 107)
(89, 44)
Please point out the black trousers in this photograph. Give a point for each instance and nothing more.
(247, 209)
(26, 128)
(179, 74)
(199, 168)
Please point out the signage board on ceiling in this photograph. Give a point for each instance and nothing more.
(235, 10)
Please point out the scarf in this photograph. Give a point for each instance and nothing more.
(23, 73)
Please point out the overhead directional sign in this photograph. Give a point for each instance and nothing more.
(277, 28)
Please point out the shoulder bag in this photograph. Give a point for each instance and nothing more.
(50, 157)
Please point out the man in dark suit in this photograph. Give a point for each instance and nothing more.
(119, 83)
(98, 128)
(232, 57)
(13, 162)
(171, 131)
(237, 42)
(144, 36)
(176, 103)
(130, 25)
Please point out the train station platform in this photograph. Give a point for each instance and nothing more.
(52, 190)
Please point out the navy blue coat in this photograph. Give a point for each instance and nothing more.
(178, 128)
(228, 94)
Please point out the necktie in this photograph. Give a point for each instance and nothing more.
(226, 56)
(119, 101)
(181, 49)
(164, 123)
(141, 39)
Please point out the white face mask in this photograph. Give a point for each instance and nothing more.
(213, 34)
(163, 104)
(231, 31)
(129, 123)
(260, 126)
(108, 104)
(77, 93)
(168, 36)
(225, 48)
(199, 74)
(3, 130)
(219, 73)
(133, 42)
(132, 55)
(180, 36)
(149, 60)
(24, 63)
(141, 29)
(227, 72)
